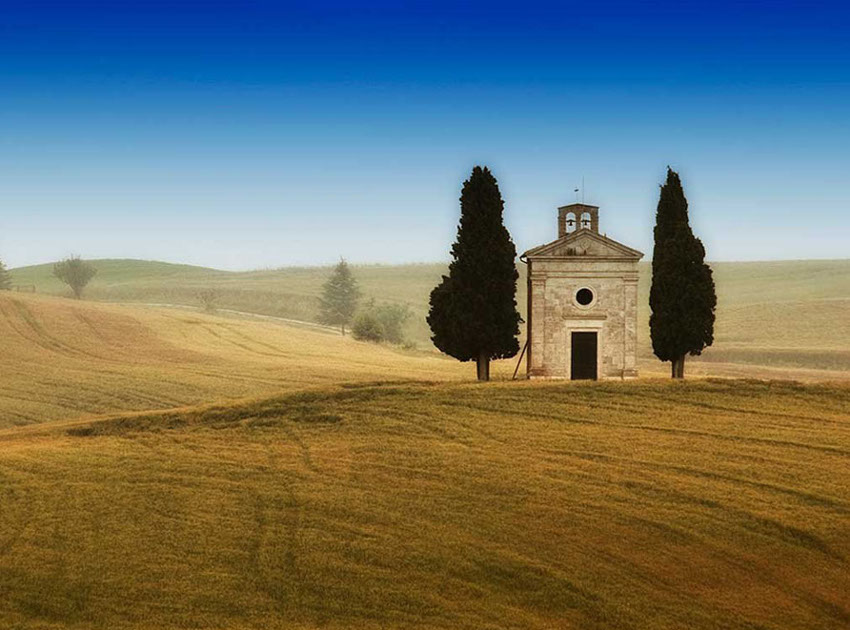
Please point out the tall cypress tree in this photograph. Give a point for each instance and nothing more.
(473, 313)
(682, 297)
(339, 297)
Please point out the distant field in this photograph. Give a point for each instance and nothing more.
(699, 505)
(781, 314)
(789, 315)
(62, 358)
(290, 292)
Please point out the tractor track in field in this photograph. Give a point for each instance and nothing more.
(33, 332)
(683, 432)
(25, 519)
(284, 587)
(230, 311)
(212, 330)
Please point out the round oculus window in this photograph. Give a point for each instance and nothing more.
(584, 296)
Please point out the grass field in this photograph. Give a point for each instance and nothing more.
(788, 316)
(62, 358)
(705, 504)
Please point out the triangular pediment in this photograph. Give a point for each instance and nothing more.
(585, 244)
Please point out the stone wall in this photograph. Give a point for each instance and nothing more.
(554, 314)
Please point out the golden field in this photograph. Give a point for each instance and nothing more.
(62, 358)
(162, 468)
(705, 504)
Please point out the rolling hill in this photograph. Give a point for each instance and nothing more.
(789, 316)
(700, 505)
(167, 468)
(62, 358)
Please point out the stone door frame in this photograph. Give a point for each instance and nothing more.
(584, 325)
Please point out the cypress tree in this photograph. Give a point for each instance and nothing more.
(473, 313)
(339, 297)
(5, 278)
(682, 297)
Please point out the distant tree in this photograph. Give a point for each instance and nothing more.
(76, 273)
(367, 327)
(682, 297)
(209, 300)
(5, 278)
(339, 297)
(473, 315)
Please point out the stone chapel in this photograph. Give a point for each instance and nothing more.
(582, 302)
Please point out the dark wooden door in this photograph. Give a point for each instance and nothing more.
(583, 356)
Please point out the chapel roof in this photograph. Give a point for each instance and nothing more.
(584, 243)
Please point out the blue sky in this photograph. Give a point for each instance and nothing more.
(257, 134)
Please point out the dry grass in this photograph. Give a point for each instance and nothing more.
(711, 504)
(63, 358)
(374, 490)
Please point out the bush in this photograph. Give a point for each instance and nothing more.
(392, 318)
(367, 327)
(382, 322)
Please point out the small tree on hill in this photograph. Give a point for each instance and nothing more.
(339, 297)
(5, 278)
(682, 296)
(76, 273)
(473, 315)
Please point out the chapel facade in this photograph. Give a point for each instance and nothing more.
(582, 302)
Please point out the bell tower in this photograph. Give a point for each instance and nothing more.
(577, 216)
(581, 321)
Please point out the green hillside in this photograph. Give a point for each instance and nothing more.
(114, 273)
(793, 314)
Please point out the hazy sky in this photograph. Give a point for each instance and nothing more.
(258, 134)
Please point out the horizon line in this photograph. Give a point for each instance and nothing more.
(384, 264)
